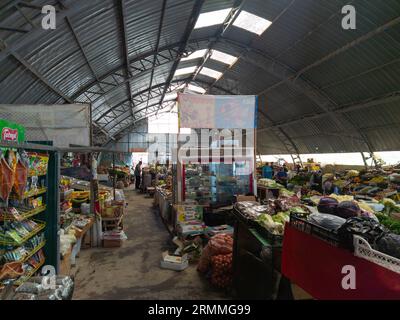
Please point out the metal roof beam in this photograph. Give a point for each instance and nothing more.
(342, 49)
(140, 119)
(236, 8)
(39, 76)
(311, 91)
(170, 48)
(122, 11)
(133, 97)
(84, 53)
(254, 38)
(288, 143)
(157, 49)
(123, 116)
(393, 97)
(138, 94)
(127, 80)
(198, 4)
(5, 28)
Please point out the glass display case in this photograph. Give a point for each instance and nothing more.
(217, 183)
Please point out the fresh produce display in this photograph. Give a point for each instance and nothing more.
(300, 179)
(221, 270)
(274, 224)
(392, 224)
(348, 209)
(220, 244)
(274, 213)
(390, 206)
(269, 183)
(328, 205)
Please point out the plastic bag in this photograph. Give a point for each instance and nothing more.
(327, 221)
(389, 244)
(119, 195)
(220, 244)
(367, 228)
(221, 270)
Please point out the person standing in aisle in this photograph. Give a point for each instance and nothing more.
(138, 170)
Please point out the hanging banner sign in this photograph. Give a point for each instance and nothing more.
(217, 112)
(11, 131)
(63, 124)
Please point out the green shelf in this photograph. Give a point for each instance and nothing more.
(26, 214)
(30, 194)
(27, 276)
(32, 252)
(34, 232)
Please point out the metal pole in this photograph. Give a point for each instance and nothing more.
(114, 177)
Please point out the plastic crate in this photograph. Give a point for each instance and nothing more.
(272, 238)
(362, 249)
(322, 233)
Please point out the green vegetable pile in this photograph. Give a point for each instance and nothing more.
(392, 224)
(274, 224)
(390, 206)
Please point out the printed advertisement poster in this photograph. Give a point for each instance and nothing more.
(11, 131)
(219, 112)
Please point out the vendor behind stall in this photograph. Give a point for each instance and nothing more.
(267, 171)
(327, 184)
(316, 181)
(281, 176)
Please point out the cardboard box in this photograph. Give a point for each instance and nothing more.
(245, 198)
(112, 243)
(172, 262)
(191, 229)
(187, 213)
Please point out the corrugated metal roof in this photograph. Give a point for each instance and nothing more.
(320, 86)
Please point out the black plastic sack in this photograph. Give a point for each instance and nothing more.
(327, 221)
(365, 227)
(389, 244)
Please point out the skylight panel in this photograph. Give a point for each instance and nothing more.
(197, 89)
(212, 18)
(187, 70)
(251, 22)
(211, 73)
(223, 57)
(196, 54)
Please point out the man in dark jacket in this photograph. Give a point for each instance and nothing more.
(138, 170)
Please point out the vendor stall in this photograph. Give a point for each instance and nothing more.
(29, 211)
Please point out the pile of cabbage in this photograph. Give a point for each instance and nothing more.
(274, 213)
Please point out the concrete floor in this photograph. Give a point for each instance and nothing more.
(132, 271)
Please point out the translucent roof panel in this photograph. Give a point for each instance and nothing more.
(195, 88)
(223, 57)
(195, 55)
(183, 71)
(212, 18)
(251, 22)
(211, 73)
